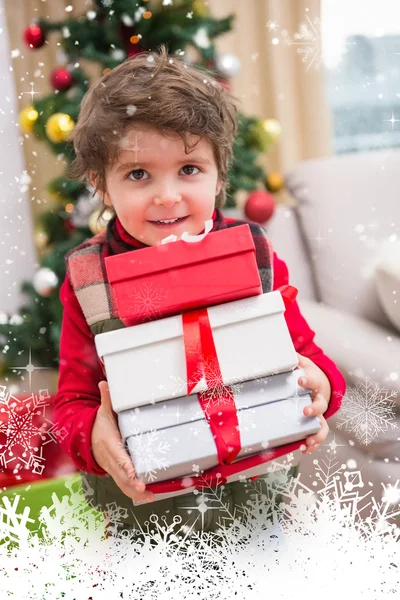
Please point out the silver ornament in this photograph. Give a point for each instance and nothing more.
(45, 282)
(228, 65)
(127, 20)
(118, 54)
(84, 207)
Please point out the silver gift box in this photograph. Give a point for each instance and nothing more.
(172, 439)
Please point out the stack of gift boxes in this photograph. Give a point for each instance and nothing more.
(203, 377)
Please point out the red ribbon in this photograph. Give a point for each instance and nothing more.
(218, 402)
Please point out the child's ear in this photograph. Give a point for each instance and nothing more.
(219, 187)
(103, 195)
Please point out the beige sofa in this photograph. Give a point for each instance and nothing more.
(332, 240)
(345, 207)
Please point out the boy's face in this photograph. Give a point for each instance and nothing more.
(154, 181)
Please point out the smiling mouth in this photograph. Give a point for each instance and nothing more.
(168, 222)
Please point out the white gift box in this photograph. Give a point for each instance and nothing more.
(173, 439)
(146, 363)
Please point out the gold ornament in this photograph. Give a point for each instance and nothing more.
(41, 238)
(265, 134)
(58, 127)
(27, 118)
(57, 196)
(275, 182)
(200, 9)
(96, 224)
(147, 14)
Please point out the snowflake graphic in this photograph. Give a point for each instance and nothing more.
(148, 453)
(25, 430)
(13, 524)
(74, 515)
(115, 513)
(308, 42)
(367, 410)
(115, 516)
(207, 377)
(148, 301)
(218, 393)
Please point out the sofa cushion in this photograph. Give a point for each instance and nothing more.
(387, 279)
(284, 233)
(347, 206)
(358, 347)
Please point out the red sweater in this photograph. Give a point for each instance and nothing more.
(78, 397)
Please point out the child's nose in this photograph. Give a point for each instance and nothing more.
(167, 199)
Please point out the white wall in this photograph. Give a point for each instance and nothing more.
(17, 251)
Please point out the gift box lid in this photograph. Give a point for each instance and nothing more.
(147, 261)
(172, 327)
(249, 394)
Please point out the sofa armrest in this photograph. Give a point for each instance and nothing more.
(356, 345)
(360, 348)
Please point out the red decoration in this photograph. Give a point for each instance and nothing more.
(34, 36)
(61, 79)
(69, 226)
(126, 33)
(208, 266)
(47, 460)
(260, 206)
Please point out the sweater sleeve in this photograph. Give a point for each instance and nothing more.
(78, 396)
(303, 340)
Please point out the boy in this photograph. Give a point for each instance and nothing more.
(154, 138)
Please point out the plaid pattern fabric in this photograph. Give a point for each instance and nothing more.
(87, 273)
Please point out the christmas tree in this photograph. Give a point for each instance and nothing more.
(110, 32)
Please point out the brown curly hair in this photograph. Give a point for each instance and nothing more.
(158, 90)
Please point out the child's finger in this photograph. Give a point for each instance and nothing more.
(125, 467)
(318, 407)
(310, 381)
(313, 441)
(130, 490)
(304, 361)
(105, 395)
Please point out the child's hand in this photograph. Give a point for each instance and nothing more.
(315, 379)
(109, 452)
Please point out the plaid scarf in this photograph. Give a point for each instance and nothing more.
(87, 273)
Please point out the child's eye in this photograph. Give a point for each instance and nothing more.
(138, 174)
(188, 170)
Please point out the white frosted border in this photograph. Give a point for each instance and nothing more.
(322, 546)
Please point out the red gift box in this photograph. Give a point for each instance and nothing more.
(171, 278)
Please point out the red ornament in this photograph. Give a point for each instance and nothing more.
(224, 82)
(260, 206)
(69, 226)
(126, 32)
(34, 36)
(134, 50)
(61, 79)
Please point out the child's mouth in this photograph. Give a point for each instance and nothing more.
(168, 223)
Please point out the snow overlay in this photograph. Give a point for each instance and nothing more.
(288, 541)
